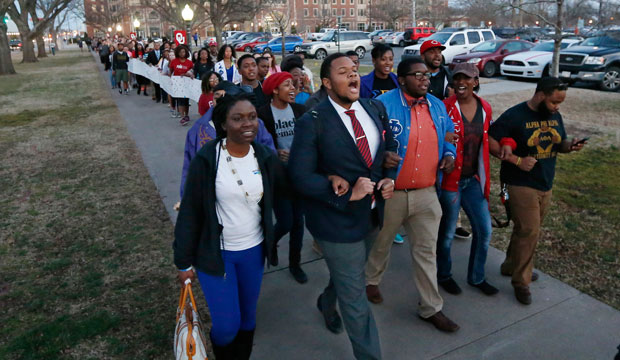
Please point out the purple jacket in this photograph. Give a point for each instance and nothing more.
(202, 132)
(367, 82)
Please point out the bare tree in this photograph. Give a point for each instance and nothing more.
(281, 18)
(391, 11)
(556, 24)
(20, 11)
(6, 63)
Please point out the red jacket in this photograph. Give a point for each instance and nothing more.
(451, 181)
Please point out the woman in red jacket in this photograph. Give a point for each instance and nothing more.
(143, 82)
(181, 66)
(468, 185)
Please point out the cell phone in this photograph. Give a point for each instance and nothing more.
(582, 140)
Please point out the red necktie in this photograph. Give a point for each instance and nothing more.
(360, 138)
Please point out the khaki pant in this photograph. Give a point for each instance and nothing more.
(419, 212)
(528, 207)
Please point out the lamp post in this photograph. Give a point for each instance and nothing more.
(490, 23)
(136, 25)
(109, 29)
(188, 15)
(119, 28)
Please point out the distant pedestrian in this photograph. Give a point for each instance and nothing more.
(120, 61)
(209, 81)
(531, 135)
(180, 66)
(225, 65)
(381, 79)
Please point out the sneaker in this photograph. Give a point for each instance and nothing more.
(126, 91)
(450, 286)
(486, 288)
(173, 113)
(184, 120)
(462, 234)
(398, 239)
(120, 90)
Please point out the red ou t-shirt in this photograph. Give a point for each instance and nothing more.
(179, 68)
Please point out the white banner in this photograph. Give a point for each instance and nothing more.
(176, 86)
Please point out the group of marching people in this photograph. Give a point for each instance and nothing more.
(353, 161)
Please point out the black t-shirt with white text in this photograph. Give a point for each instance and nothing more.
(381, 86)
(536, 136)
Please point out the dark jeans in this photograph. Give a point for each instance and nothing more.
(347, 286)
(290, 219)
(158, 91)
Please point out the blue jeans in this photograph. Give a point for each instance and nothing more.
(471, 198)
(112, 79)
(290, 219)
(232, 298)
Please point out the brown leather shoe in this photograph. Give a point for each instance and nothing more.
(506, 273)
(373, 294)
(442, 322)
(523, 295)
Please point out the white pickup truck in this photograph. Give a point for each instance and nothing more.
(318, 35)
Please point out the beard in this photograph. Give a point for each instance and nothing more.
(543, 110)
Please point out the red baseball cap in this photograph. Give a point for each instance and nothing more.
(429, 44)
(212, 43)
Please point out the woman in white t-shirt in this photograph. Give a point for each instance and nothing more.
(224, 229)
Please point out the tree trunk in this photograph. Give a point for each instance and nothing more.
(54, 37)
(41, 53)
(6, 63)
(555, 62)
(27, 46)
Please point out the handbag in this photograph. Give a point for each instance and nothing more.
(189, 338)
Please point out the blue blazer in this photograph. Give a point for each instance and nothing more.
(367, 81)
(322, 146)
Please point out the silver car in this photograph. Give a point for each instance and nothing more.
(349, 40)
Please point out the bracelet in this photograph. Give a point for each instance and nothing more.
(518, 161)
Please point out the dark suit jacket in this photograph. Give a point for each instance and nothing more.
(265, 114)
(152, 59)
(322, 146)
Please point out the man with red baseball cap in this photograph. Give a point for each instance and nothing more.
(441, 79)
(441, 87)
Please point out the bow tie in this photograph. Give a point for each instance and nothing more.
(420, 101)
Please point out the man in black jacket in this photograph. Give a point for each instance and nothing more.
(336, 163)
(153, 59)
(441, 79)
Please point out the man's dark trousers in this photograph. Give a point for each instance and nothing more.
(347, 285)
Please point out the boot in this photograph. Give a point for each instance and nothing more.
(224, 352)
(243, 344)
(139, 91)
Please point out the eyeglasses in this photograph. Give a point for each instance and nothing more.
(420, 75)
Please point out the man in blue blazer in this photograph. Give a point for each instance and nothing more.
(337, 164)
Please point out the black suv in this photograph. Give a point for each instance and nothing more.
(15, 44)
(596, 59)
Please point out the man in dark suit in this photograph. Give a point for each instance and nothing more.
(153, 59)
(344, 146)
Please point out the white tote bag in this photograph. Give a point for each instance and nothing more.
(189, 338)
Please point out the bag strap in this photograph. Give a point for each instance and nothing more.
(191, 342)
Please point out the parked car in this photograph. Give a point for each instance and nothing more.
(350, 40)
(15, 44)
(318, 35)
(505, 33)
(292, 43)
(249, 46)
(489, 55)
(596, 59)
(531, 34)
(456, 40)
(246, 37)
(233, 37)
(380, 35)
(534, 63)
(396, 39)
(413, 35)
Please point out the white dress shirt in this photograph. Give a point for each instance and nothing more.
(368, 124)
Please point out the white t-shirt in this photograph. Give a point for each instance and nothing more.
(240, 215)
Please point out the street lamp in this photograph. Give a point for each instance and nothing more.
(235, 26)
(136, 25)
(109, 29)
(490, 23)
(188, 15)
(119, 28)
(537, 22)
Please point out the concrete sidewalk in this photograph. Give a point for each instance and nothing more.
(562, 323)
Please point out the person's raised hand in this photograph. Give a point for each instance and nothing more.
(386, 186)
(527, 163)
(363, 186)
(447, 164)
(340, 185)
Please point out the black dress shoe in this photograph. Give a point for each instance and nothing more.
(299, 275)
(442, 322)
(333, 321)
(486, 288)
(462, 234)
(450, 286)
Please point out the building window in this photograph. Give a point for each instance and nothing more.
(352, 12)
(306, 12)
(153, 15)
(343, 2)
(334, 13)
(315, 1)
(315, 12)
(352, 2)
(343, 12)
(361, 2)
(360, 26)
(360, 12)
(306, 2)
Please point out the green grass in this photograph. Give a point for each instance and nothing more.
(86, 268)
